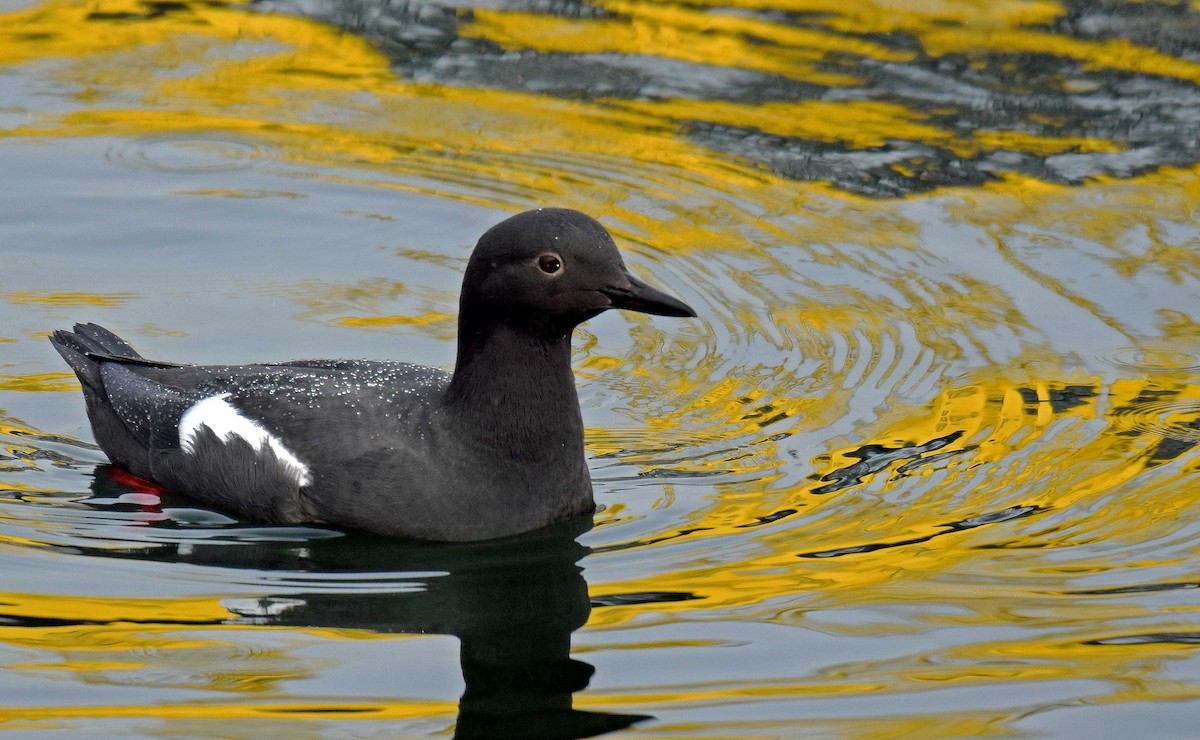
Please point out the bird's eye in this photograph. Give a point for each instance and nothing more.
(549, 263)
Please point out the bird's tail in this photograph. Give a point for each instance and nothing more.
(88, 345)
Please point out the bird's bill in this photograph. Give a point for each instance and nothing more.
(639, 296)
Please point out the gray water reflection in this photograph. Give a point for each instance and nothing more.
(975, 411)
(512, 604)
(1088, 74)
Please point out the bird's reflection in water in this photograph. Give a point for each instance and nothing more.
(513, 604)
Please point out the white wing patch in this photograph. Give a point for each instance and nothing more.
(225, 421)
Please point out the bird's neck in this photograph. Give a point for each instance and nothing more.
(515, 392)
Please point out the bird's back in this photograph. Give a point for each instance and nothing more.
(260, 439)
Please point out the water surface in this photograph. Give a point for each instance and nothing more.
(924, 466)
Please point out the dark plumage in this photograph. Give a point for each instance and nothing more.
(398, 449)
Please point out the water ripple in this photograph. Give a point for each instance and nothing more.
(189, 153)
(1153, 359)
(1166, 418)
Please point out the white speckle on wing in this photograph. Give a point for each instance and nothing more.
(225, 421)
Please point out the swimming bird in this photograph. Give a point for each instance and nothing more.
(491, 450)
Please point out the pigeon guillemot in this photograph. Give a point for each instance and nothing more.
(492, 450)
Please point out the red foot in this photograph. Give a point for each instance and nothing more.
(140, 485)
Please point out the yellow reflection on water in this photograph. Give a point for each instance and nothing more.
(90, 609)
(369, 321)
(970, 27)
(281, 63)
(859, 124)
(365, 305)
(235, 710)
(69, 300)
(39, 382)
(676, 32)
(991, 424)
(172, 643)
(986, 474)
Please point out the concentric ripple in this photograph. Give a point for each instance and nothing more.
(189, 153)
(1161, 414)
(1154, 359)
